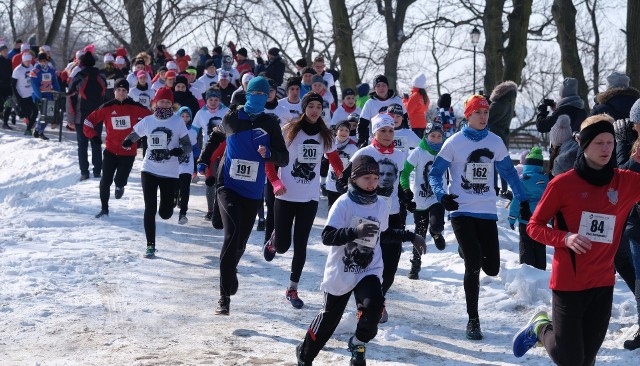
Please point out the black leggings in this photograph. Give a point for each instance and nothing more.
(150, 185)
(27, 109)
(478, 239)
(117, 166)
(304, 213)
(369, 300)
(332, 197)
(432, 217)
(183, 192)
(580, 322)
(531, 252)
(391, 251)
(269, 199)
(238, 215)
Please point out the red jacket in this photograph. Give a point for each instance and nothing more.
(183, 62)
(120, 117)
(416, 109)
(565, 200)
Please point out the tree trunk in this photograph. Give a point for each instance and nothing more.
(12, 22)
(67, 32)
(564, 15)
(343, 37)
(55, 22)
(516, 50)
(395, 36)
(633, 42)
(40, 19)
(135, 15)
(493, 44)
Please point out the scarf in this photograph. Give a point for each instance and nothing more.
(473, 134)
(360, 196)
(141, 87)
(272, 104)
(383, 149)
(163, 113)
(349, 110)
(310, 128)
(341, 145)
(214, 110)
(597, 177)
(573, 101)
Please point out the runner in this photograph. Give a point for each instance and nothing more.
(404, 139)
(345, 147)
(187, 166)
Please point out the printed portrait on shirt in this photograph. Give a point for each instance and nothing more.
(425, 187)
(478, 172)
(357, 257)
(388, 176)
(158, 141)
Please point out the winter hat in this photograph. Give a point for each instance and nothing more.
(181, 53)
(89, 49)
(534, 157)
(433, 127)
(243, 52)
(272, 84)
(395, 109)
(310, 97)
(603, 124)
(634, 113)
(317, 79)
(169, 74)
(226, 75)
(293, 81)
(362, 165)
(343, 124)
(444, 101)
(248, 77)
(42, 56)
(164, 93)
(473, 103)
(182, 80)
(213, 93)
(227, 59)
(172, 66)
(363, 89)
(121, 83)
(380, 79)
(209, 63)
(26, 57)
(274, 51)
(121, 52)
(420, 81)
(87, 60)
(301, 63)
(120, 60)
(258, 84)
(3, 47)
(347, 92)
(353, 117)
(46, 48)
(569, 88)
(79, 54)
(162, 68)
(561, 131)
(24, 47)
(108, 58)
(217, 49)
(617, 80)
(381, 120)
(308, 70)
(141, 73)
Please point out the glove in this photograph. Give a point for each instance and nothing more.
(409, 205)
(512, 226)
(624, 131)
(408, 195)
(127, 143)
(525, 211)
(176, 151)
(96, 140)
(210, 181)
(202, 168)
(342, 185)
(449, 203)
(419, 244)
(366, 230)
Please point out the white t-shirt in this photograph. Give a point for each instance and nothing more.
(205, 119)
(328, 80)
(157, 85)
(348, 264)
(186, 160)
(423, 195)
(197, 90)
(405, 139)
(281, 113)
(472, 171)
(327, 100)
(345, 154)
(143, 97)
(207, 81)
(373, 106)
(162, 136)
(341, 115)
(133, 80)
(390, 167)
(301, 177)
(295, 109)
(235, 75)
(21, 74)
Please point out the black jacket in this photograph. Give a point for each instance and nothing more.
(5, 77)
(273, 69)
(503, 98)
(544, 122)
(87, 91)
(616, 102)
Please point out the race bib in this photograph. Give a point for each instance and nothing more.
(400, 142)
(371, 241)
(144, 100)
(157, 141)
(46, 77)
(121, 123)
(309, 153)
(110, 83)
(244, 170)
(597, 227)
(479, 173)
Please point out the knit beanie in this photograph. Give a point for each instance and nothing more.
(561, 131)
(108, 58)
(317, 79)
(293, 81)
(274, 51)
(380, 79)
(433, 127)
(395, 108)
(381, 120)
(247, 77)
(534, 157)
(353, 117)
(420, 81)
(569, 88)
(363, 89)
(362, 165)
(347, 92)
(164, 93)
(473, 103)
(182, 80)
(243, 52)
(310, 97)
(617, 80)
(444, 101)
(258, 84)
(87, 60)
(634, 113)
(301, 62)
(121, 83)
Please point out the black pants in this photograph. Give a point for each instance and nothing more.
(115, 168)
(324, 167)
(183, 192)
(623, 261)
(432, 217)
(238, 215)
(5, 105)
(419, 131)
(150, 185)
(27, 109)
(532, 252)
(332, 197)
(83, 154)
(269, 199)
(478, 239)
(580, 321)
(369, 300)
(391, 251)
(304, 213)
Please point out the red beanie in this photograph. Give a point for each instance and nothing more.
(121, 52)
(164, 93)
(473, 103)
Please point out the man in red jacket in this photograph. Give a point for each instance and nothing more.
(119, 116)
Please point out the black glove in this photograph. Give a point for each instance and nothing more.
(525, 211)
(512, 226)
(210, 181)
(408, 195)
(409, 205)
(624, 131)
(96, 140)
(342, 185)
(366, 230)
(176, 151)
(127, 143)
(449, 203)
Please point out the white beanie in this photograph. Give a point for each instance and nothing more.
(26, 57)
(381, 120)
(172, 66)
(247, 77)
(79, 54)
(120, 60)
(108, 58)
(46, 48)
(25, 47)
(420, 81)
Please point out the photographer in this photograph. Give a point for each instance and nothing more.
(570, 104)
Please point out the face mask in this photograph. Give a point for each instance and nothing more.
(163, 113)
(255, 103)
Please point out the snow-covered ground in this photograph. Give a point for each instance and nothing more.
(75, 290)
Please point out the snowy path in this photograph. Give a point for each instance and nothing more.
(75, 290)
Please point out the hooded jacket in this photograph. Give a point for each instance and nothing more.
(502, 98)
(616, 102)
(88, 89)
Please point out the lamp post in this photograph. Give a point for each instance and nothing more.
(475, 38)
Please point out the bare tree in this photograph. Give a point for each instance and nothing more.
(56, 21)
(343, 38)
(592, 6)
(39, 5)
(633, 42)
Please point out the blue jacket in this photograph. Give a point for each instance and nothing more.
(42, 82)
(534, 182)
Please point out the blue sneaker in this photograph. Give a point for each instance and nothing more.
(527, 337)
(292, 296)
(268, 250)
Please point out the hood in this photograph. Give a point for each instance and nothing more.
(606, 95)
(182, 109)
(503, 89)
(620, 100)
(532, 170)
